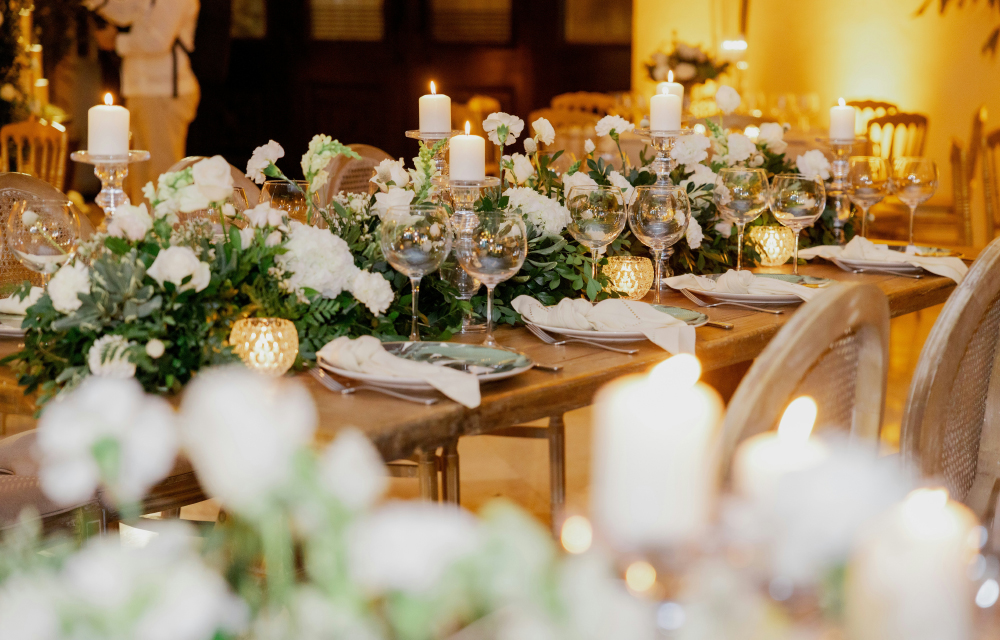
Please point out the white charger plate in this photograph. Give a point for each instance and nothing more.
(777, 299)
(899, 267)
(10, 326)
(692, 318)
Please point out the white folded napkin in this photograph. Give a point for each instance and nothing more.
(367, 355)
(744, 282)
(660, 328)
(864, 249)
(14, 306)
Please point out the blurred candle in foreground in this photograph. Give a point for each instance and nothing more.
(675, 88)
(107, 129)
(907, 579)
(467, 157)
(654, 480)
(842, 121)
(435, 112)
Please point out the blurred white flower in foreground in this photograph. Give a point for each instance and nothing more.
(28, 608)
(352, 470)
(108, 358)
(727, 99)
(598, 607)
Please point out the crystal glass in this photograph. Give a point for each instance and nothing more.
(453, 273)
(741, 196)
(597, 215)
(914, 181)
(658, 216)
(797, 202)
(493, 250)
(291, 199)
(415, 240)
(43, 234)
(867, 183)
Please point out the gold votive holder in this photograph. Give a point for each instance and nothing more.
(774, 244)
(630, 276)
(266, 345)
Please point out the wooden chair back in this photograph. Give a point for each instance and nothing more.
(351, 175)
(39, 150)
(599, 104)
(15, 187)
(562, 120)
(835, 349)
(991, 180)
(897, 135)
(868, 109)
(951, 426)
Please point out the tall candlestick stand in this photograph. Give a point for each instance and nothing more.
(111, 171)
(836, 191)
(663, 143)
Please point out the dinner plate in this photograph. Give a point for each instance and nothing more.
(10, 326)
(750, 298)
(486, 363)
(899, 267)
(693, 318)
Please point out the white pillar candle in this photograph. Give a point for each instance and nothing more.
(654, 482)
(665, 112)
(675, 88)
(107, 129)
(467, 157)
(842, 122)
(907, 579)
(435, 112)
(761, 461)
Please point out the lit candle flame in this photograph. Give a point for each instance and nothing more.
(640, 576)
(468, 127)
(433, 88)
(841, 102)
(108, 100)
(680, 371)
(797, 422)
(670, 75)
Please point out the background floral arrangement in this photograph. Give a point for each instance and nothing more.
(691, 65)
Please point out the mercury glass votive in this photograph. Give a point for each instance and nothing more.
(631, 276)
(774, 244)
(266, 345)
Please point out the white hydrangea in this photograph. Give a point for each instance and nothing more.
(316, 259)
(813, 164)
(741, 148)
(728, 99)
(390, 171)
(545, 214)
(372, 290)
(262, 157)
(67, 284)
(522, 168)
(608, 124)
(544, 131)
(694, 233)
(772, 136)
(495, 120)
(394, 197)
(108, 358)
(690, 150)
(174, 264)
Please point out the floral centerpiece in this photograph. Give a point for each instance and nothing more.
(691, 65)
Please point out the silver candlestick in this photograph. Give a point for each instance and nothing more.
(836, 191)
(111, 170)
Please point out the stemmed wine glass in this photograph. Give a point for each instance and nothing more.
(658, 216)
(43, 234)
(797, 202)
(867, 184)
(741, 196)
(597, 216)
(914, 181)
(453, 273)
(415, 240)
(492, 250)
(292, 199)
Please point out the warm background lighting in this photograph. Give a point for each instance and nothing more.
(577, 534)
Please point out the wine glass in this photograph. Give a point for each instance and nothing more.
(797, 202)
(741, 196)
(291, 199)
(914, 181)
(415, 240)
(867, 184)
(43, 234)
(453, 273)
(492, 250)
(597, 216)
(658, 216)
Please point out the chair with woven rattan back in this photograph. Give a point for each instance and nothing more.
(835, 349)
(352, 175)
(599, 104)
(951, 425)
(868, 109)
(15, 187)
(963, 166)
(39, 150)
(990, 149)
(897, 135)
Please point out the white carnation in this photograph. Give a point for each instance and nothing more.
(108, 357)
(523, 169)
(694, 233)
(264, 215)
(130, 221)
(262, 157)
(622, 183)
(813, 164)
(545, 214)
(544, 131)
(372, 290)
(578, 179)
(394, 197)
(690, 150)
(617, 124)
(390, 171)
(352, 470)
(772, 136)
(495, 120)
(727, 99)
(317, 259)
(174, 264)
(530, 146)
(214, 177)
(589, 146)
(66, 286)
(741, 148)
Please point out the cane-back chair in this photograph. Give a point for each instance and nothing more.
(353, 175)
(39, 150)
(15, 187)
(897, 135)
(991, 180)
(599, 104)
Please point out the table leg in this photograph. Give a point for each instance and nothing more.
(557, 470)
(450, 475)
(170, 514)
(427, 474)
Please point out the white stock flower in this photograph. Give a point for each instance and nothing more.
(690, 150)
(495, 120)
(727, 99)
(155, 348)
(772, 136)
(214, 177)
(262, 157)
(408, 546)
(694, 233)
(700, 174)
(241, 431)
(544, 131)
(607, 124)
(130, 221)
(530, 146)
(246, 237)
(545, 214)
(578, 179)
(113, 413)
(390, 171)
(622, 183)
(173, 264)
(107, 358)
(352, 470)
(523, 169)
(372, 290)
(264, 215)
(589, 146)
(394, 197)
(188, 199)
(813, 164)
(67, 284)
(741, 148)
(317, 259)
(273, 239)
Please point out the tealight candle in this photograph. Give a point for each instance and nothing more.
(654, 482)
(842, 121)
(435, 112)
(107, 129)
(266, 345)
(675, 88)
(665, 112)
(467, 157)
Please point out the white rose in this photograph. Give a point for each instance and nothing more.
(617, 124)
(544, 130)
(622, 183)
(493, 122)
(352, 470)
(694, 233)
(578, 179)
(372, 290)
(772, 136)
(108, 358)
(813, 164)
(155, 348)
(727, 99)
(190, 198)
(130, 221)
(589, 146)
(66, 286)
(390, 171)
(690, 150)
(685, 71)
(740, 148)
(261, 159)
(530, 146)
(214, 177)
(395, 197)
(174, 264)
(264, 215)
(523, 169)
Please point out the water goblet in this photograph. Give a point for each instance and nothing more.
(658, 216)
(797, 202)
(43, 234)
(453, 273)
(867, 184)
(741, 196)
(492, 250)
(290, 198)
(597, 216)
(914, 181)
(415, 240)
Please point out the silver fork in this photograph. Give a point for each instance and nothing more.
(546, 338)
(701, 303)
(327, 381)
(885, 272)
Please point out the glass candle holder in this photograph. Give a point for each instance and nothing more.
(774, 244)
(631, 276)
(266, 345)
